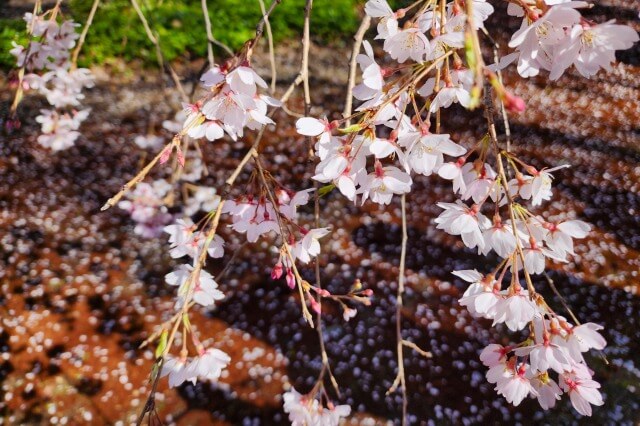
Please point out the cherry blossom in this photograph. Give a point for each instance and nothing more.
(583, 392)
(482, 296)
(580, 339)
(468, 222)
(388, 24)
(548, 391)
(425, 151)
(146, 207)
(560, 236)
(494, 354)
(538, 187)
(591, 47)
(536, 40)
(408, 43)
(381, 185)
(543, 356)
(205, 289)
(305, 410)
(208, 365)
(309, 246)
(175, 368)
(514, 385)
(516, 310)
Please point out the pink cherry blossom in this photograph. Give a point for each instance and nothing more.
(514, 385)
(516, 310)
(548, 390)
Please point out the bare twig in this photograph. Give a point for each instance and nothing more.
(503, 110)
(417, 348)
(207, 26)
(141, 175)
(272, 56)
(156, 42)
(400, 380)
(83, 35)
(306, 44)
(264, 20)
(348, 105)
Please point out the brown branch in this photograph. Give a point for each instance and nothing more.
(272, 56)
(156, 42)
(207, 27)
(348, 105)
(83, 35)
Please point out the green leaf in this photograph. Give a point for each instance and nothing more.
(326, 189)
(162, 344)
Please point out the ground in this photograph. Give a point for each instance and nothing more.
(80, 291)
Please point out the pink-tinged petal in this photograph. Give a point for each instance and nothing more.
(469, 275)
(575, 228)
(309, 126)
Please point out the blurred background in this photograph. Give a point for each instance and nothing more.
(81, 291)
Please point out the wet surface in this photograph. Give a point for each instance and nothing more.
(80, 291)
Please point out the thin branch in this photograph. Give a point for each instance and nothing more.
(503, 110)
(417, 348)
(264, 20)
(306, 44)
(400, 380)
(348, 105)
(156, 42)
(207, 26)
(141, 175)
(83, 35)
(272, 56)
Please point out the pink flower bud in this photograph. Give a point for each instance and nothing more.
(180, 157)
(291, 281)
(166, 153)
(314, 305)
(12, 124)
(276, 272)
(513, 103)
(322, 292)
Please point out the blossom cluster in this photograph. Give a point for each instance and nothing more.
(305, 410)
(394, 139)
(206, 366)
(232, 103)
(397, 136)
(146, 206)
(554, 36)
(61, 83)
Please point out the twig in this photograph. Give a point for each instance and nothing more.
(562, 301)
(489, 112)
(503, 110)
(417, 348)
(264, 20)
(400, 380)
(150, 404)
(306, 44)
(272, 56)
(141, 175)
(156, 42)
(299, 281)
(348, 105)
(207, 26)
(83, 35)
